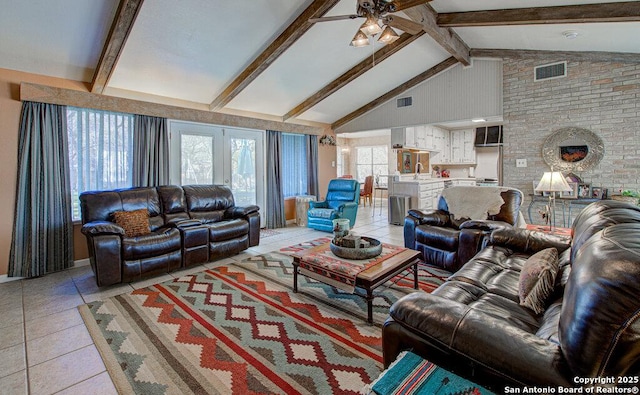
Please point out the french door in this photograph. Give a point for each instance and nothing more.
(209, 154)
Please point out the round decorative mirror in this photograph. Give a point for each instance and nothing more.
(572, 149)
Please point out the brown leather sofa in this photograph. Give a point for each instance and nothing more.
(474, 325)
(448, 242)
(187, 225)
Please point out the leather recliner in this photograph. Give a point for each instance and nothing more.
(342, 200)
(474, 325)
(188, 225)
(447, 242)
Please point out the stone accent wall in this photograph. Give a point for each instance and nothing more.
(601, 97)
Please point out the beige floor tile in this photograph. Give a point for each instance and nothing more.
(36, 308)
(96, 385)
(11, 315)
(12, 360)
(10, 288)
(57, 344)
(11, 335)
(14, 384)
(151, 281)
(90, 291)
(65, 371)
(51, 323)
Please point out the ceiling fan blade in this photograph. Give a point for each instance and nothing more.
(403, 24)
(333, 18)
(400, 5)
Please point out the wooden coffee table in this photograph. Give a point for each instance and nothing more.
(368, 279)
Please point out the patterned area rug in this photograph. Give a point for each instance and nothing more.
(228, 330)
(277, 268)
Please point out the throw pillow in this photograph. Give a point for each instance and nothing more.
(135, 223)
(537, 279)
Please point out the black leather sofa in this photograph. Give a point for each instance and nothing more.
(187, 225)
(448, 242)
(474, 325)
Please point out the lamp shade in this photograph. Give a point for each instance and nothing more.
(388, 36)
(360, 40)
(553, 181)
(370, 27)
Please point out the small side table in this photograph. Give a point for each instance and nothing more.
(302, 206)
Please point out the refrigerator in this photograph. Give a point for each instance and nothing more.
(489, 164)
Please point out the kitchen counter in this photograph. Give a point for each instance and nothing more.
(424, 190)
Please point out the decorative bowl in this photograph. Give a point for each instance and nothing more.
(358, 253)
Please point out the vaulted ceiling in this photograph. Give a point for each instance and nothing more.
(266, 59)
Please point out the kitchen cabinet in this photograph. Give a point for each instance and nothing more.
(441, 144)
(403, 138)
(414, 137)
(462, 146)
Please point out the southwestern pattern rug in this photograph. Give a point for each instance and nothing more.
(227, 330)
(277, 268)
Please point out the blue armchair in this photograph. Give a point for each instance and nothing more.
(343, 196)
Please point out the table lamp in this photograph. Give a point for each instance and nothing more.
(552, 182)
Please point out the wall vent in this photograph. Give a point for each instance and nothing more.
(550, 71)
(405, 101)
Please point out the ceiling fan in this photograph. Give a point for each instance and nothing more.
(379, 19)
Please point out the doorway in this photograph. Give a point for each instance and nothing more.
(210, 154)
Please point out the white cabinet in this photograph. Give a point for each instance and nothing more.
(418, 137)
(429, 194)
(441, 144)
(462, 146)
(403, 137)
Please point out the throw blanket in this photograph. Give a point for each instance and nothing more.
(473, 202)
(320, 264)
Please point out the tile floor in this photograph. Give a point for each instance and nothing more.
(45, 347)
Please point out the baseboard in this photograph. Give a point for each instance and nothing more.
(6, 279)
(79, 263)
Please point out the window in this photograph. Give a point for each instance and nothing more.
(100, 151)
(371, 161)
(294, 165)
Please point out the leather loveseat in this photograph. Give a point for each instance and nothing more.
(182, 226)
(474, 325)
(449, 242)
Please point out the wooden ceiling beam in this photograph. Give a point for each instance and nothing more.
(283, 42)
(582, 56)
(585, 13)
(355, 72)
(444, 36)
(437, 69)
(120, 28)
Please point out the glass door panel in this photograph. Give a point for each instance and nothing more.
(196, 153)
(243, 170)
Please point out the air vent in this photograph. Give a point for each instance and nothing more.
(550, 71)
(405, 101)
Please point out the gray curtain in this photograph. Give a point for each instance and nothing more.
(42, 239)
(312, 165)
(275, 195)
(150, 151)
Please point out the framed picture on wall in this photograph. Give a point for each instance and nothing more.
(573, 193)
(596, 192)
(584, 191)
(407, 163)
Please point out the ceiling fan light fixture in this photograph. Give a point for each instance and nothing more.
(370, 27)
(359, 40)
(388, 36)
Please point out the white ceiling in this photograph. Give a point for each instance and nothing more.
(191, 50)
